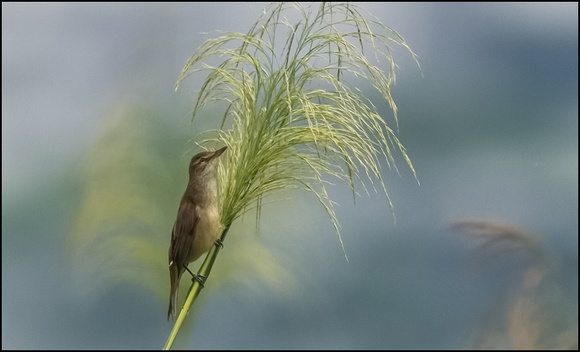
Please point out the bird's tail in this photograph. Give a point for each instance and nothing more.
(174, 277)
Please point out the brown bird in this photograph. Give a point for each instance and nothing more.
(198, 220)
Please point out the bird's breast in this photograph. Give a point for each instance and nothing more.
(207, 230)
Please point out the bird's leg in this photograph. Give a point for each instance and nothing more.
(200, 278)
(189, 271)
(194, 277)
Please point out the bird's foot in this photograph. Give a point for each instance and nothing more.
(195, 277)
(200, 279)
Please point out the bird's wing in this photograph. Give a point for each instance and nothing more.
(183, 234)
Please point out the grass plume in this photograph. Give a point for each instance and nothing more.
(293, 119)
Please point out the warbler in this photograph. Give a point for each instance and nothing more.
(197, 226)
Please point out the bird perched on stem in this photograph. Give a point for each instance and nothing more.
(198, 220)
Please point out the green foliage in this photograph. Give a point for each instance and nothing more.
(293, 118)
(132, 183)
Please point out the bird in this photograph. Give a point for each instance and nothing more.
(197, 226)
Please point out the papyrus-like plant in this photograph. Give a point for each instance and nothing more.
(289, 117)
(293, 117)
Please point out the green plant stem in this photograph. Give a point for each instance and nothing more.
(195, 288)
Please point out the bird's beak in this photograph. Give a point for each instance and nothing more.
(218, 152)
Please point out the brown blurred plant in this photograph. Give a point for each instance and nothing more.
(530, 310)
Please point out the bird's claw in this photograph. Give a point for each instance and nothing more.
(196, 277)
(200, 279)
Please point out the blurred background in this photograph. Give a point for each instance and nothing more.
(95, 147)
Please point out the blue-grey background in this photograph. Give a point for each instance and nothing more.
(490, 123)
